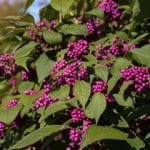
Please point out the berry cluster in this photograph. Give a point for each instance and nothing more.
(71, 73)
(99, 86)
(139, 75)
(43, 101)
(77, 115)
(31, 92)
(118, 48)
(24, 75)
(86, 124)
(12, 103)
(75, 136)
(93, 26)
(34, 33)
(7, 65)
(2, 129)
(110, 8)
(77, 49)
(109, 99)
(60, 64)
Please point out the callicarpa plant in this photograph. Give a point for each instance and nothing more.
(79, 79)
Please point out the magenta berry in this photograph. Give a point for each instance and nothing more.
(24, 75)
(2, 129)
(93, 26)
(86, 124)
(43, 101)
(139, 76)
(75, 135)
(110, 8)
(77, 115)
(31, 92)
(12, 103)
(77, 49)
(71, 73)
(7, 65)
(60, 64)
(99, 86)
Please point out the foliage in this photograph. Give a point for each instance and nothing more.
(78, 79)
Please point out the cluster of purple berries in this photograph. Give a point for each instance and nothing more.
(99, 86)
(43, 101)
(93, 26)
(75, 136)
(34, 34)
(2, 130)
(47, 87)
(12, 103)
(48, 25)
(7, 65)
(110, 8)
(71, 73)
(77, 49)
(86, 124)
(31, 92)
(24, 75)
(118, 48)
(60, 64)
(139, 75)
(77, 115)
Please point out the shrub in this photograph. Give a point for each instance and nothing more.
(77, 79)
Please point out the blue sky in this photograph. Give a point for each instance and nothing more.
(36, 6)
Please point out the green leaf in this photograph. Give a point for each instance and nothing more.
(97, 105)
(26, 85)
(28, 4)
(96, 12)
(102, 72)
(62, 5)
(36, 136)
(123, 102)
(27, 101)
(62, 93)
(9, 115)
(25, 50)
(135, 9)
(91, 58)
(44, 13)
(82, 91)
(52, 37)
(97, 133)
(124, 87)
(56, 107)
(139, 38)
(74, 29)
(142, 55)
(120, 63)
(43, 67)
(22, 62)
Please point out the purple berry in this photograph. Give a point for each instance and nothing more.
(139, 76)
(77, 49)
(77, 115)
(110, 8)
(2, 129)
(12, 103)
(99, 86)
(75, 135)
